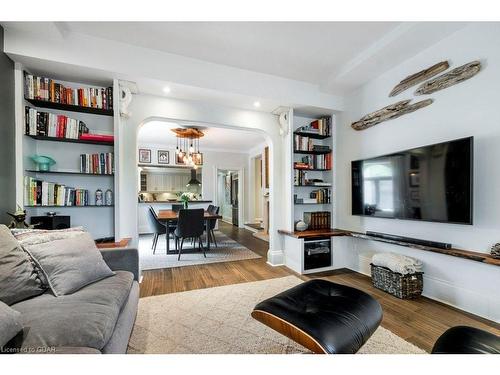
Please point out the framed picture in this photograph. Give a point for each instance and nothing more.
(198, 158)
(178, 160)
(414, 179)
(163, 157)
(144, 156)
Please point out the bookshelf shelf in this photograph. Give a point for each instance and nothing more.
(311, 135)
(71, 173)
(306, 204)
(69, 140)
(315, 186)
(312, 152)
(312, 169)
(69, 107)
(88, 206)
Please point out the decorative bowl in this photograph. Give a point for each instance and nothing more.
(301, 226)
(43, 163)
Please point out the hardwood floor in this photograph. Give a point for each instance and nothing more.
(419, 321)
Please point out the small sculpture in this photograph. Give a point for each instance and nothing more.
(301, 226)
(19, 221)
(108, 197)
(99, 198)
(495, 251)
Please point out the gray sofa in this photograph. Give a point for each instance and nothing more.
(96, 319)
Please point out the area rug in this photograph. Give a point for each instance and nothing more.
(217, 320)
(227, 250)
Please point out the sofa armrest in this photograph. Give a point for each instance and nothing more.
(122, 259)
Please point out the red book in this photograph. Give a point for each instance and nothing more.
(97, 137)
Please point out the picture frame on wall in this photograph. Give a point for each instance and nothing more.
(178, 160)
(198, 158)
(163, 157)
(144, 156)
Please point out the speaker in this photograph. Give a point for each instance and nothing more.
(51, 222)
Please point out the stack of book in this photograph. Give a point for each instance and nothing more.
(302, 143)
(321, 195)
(52, 125)
(323, 161)
(43, 193)
(318, 220)
(322, 126)
(97, 163)
(43, 88)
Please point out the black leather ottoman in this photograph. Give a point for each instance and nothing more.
(322, 316)
(467, 340)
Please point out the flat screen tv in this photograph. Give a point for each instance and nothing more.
(429, 183)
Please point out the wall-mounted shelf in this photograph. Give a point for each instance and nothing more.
(71, 173)
(312, 135)
(312, 169)
(315, 186)
(88, 206)
(305, 204)
(70, 107)
(324, 152)
(69, 140)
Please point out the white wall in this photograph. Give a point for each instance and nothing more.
(467, 109)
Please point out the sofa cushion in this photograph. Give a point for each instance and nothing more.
(19, 276)
(69, 263)
(85, 318)
(10, 323)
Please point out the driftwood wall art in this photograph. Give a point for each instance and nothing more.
(419, 77)
(388, 113)
(451, 78)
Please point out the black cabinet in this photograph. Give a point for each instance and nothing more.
(317, 253)
(51, 222)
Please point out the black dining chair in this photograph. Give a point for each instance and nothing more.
(190, 224)
(157, 227)
(210, 225)
(177, 207)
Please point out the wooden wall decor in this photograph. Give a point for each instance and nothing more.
(451, 78)
(188, 132)
(419, 77)
(388, 113)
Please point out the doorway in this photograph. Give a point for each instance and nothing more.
(229, 195)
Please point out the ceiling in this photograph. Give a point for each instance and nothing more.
(157, 133)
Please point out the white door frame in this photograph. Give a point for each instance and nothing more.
(241, 190)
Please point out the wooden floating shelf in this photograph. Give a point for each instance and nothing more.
(69, 140)
(312, 135)
(70, 107)
(71, 173)
(88, 206)
(324, 152)
(459, 253)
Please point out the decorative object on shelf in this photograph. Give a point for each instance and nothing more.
(19, 221)
(43, 163)
(187, 150)
(300, 226)
(51, 213)
(388, 113)
(419, 77)
(495, 251)
(457, 75)
(144, 156)
(108, 197)
(163, 157)
(99, 198)
(186, 197)
(125, 100)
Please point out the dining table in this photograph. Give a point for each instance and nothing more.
(168, 216)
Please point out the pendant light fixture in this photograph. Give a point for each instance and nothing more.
(188, 145)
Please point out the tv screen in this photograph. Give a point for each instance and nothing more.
(429, 183)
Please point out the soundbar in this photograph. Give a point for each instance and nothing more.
(416, 241)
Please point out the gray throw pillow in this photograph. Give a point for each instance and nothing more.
(19, 277)
(10, 324)
(69, 264)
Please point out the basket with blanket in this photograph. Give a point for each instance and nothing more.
(397, 274)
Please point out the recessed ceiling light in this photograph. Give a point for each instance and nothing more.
(256, 104)
(166, 89)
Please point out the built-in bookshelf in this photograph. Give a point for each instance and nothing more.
(72, 123)
(312, 168)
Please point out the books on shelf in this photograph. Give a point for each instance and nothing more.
(52, 125)
(322, 196)
(97, 137)
(321, 126)
(301, 143)
(102, 163)
(323, 161)
(43, 193)
(318, 220)
(43, 88)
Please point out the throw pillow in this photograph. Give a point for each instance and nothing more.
(71, 263)
(19, 276)
(37, 236)
(10, 324)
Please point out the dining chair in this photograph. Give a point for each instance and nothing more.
(177, 207)
(157, 227)
(210, 225)
(190, 224)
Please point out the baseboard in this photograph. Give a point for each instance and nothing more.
(275, 258)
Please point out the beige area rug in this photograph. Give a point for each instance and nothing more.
(217, 320)
(227, 250)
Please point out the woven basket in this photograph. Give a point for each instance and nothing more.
(402, 286)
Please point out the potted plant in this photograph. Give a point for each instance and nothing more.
(186, 198)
